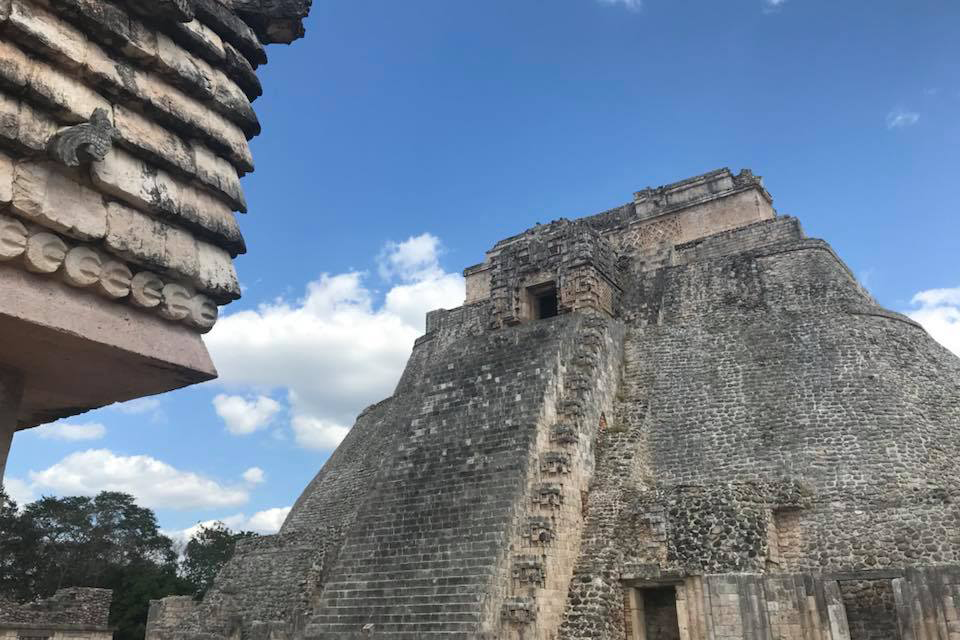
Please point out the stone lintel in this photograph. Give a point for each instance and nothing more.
(82, 353)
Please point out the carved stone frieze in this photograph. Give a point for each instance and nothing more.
(203, 313)
(86, 267)
(83, 143)
(146, 290)
(541, 530)
(519, 610)
(115, 279)
(529, 570)
(13, 238)
(555, 462)
(45, 253)
(82, 267)
(548, 495)
(176, 302)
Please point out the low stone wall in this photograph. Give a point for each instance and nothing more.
(81, 608)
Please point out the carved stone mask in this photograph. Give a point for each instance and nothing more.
(176, 302)
(146, 290)
(45, 253)
(82, 266)
(114, 280)
(13, 238)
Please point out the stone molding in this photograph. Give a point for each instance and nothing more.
(40, 251)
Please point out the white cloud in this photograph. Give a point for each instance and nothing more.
(938, 310)
(632, 5)
(154, 483)
(314, 433)
(254, 475)
(264, 522)
(267, 521)
(19, 491)
(243, 416)
(71, 432)
(899, 118)
(336, 350)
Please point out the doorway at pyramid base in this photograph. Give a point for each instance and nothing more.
(677, 418)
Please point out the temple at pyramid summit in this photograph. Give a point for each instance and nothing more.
(678, 419)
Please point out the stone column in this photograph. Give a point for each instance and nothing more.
(11, 390)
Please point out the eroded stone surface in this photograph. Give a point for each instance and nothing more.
(709, 406)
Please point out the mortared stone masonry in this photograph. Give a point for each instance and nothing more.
(677, 419)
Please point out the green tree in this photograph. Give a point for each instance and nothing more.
(207, 552)
(19, 552)
(107, 541)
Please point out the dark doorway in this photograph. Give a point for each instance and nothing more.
(544, 301)
(660, 614)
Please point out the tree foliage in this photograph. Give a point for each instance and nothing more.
(207, 552)
(106, 541)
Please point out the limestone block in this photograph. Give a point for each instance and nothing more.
(218, 173)
(145, 240)
(82, 267)
(155, 190)
(141, 42)
(9, 117)
(146, 290)
(35, 128)
(73, 101)
(13, 238)
(178, 61)
(15, 66)
(48, 33)
(217, 274)
(149, 136)
(115, 280)
(6, 179)
(45, 253)
(49, 197)
(204, 38)
(202, 119)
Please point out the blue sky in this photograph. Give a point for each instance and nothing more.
(401, 140)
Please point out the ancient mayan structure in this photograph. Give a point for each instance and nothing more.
(680, 419)
(123, 136)
(69, 614)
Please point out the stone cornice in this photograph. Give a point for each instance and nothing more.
(42, 252)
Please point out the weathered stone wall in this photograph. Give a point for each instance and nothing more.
(84, 608)
(729, 416)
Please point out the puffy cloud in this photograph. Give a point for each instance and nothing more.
(268, 521)
(18, 490)
(154, 483)
(243, 416)
(254, 475)
(938, 310)
(336, 349)
(899, 118)
(71, 432)
(264, 522)
(314, 433)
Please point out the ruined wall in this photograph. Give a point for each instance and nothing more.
(776, 420)
(76, 613)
